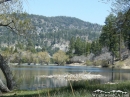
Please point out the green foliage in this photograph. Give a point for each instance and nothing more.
(71, 47)
(26, 57)
(103, 63)
(43, 57)
(89, 63)
(124, 25)
(116, 32)
(109, 37)
(81, 89)
(47, 31)
(79, 46)
(30, 46)
(88, 48)
(96, 47)
(19, 45)
(30, 57)
(60, 57)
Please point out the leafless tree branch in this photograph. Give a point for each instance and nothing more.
(2, 1)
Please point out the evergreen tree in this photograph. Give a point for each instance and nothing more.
(71, 47)
(79, 46)
(109, 38)
(30, 46)
(88, 48)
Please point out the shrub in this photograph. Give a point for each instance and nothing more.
(89, 63)
(103, 63)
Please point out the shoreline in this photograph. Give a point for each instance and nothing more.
(124, 66)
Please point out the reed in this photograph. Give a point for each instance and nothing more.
(80, 89)
(71, 87)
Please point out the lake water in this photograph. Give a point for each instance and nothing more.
(27, 78)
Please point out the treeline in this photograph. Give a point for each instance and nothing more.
(58, 23)
(115, 37)
(116, 33)
(78, 46)
(21, 55)
(48, 31)
(61, 28)
(68, 34)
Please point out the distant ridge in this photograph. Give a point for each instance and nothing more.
(56, 31)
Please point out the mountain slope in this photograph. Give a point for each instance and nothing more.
(60, 29)
(56, 31)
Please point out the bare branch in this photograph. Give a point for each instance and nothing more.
(5, 24)
(2, 1)
(8, 26)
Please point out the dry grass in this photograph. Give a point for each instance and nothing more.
(125, 64)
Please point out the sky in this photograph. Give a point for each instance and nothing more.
(94, 11)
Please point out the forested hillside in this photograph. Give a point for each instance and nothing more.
(64, 27)
(52, 33)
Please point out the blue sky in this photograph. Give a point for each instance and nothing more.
(93, 11)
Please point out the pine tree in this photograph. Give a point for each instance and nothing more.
(79, 46)
(88, 48)
(108, 36)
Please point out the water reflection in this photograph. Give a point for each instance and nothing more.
(27, 79)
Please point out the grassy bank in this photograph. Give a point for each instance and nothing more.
(77, 89)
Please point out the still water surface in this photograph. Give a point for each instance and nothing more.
(27, 78)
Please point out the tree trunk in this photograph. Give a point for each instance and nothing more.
(3, 88)
(8, 75)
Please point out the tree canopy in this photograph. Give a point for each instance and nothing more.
(12, 17)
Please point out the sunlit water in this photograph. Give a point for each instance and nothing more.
(26, 76)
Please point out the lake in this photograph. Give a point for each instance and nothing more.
(26, 76)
